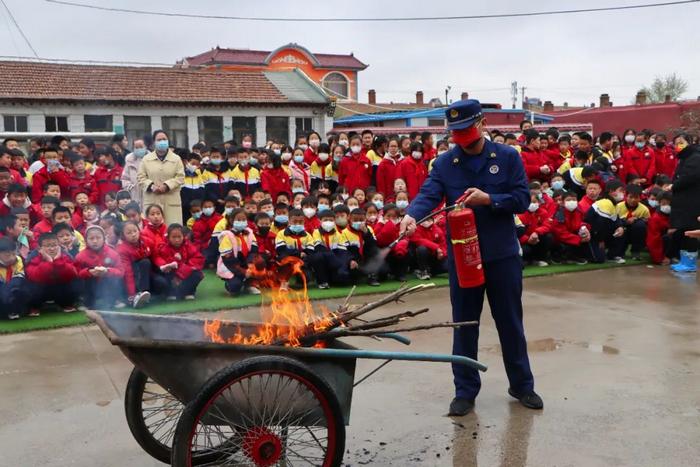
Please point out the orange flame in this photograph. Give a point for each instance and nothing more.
(288, 318)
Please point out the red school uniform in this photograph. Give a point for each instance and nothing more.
(533, 161)
(190, 258)
(433, 238)
(106, 180)
(266, 244)
(311, 224)
(275, 181)
(85, 184)
(154, 236)
(535, 222)
(386, 233)
(355, 172)
(203, 228)
(387, 172)
(666, 161)
(640, 162)
(566, 225)
(106, 257)
(128, 254)
(57, 272)
(40, 179)
(310, 155)
(656, 229)
(414, 172)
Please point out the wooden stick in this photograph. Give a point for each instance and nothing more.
(387, 321)
(346, 304)
(371, 332)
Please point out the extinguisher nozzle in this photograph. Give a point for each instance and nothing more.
(373, 264)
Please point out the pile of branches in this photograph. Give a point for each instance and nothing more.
(347, 319)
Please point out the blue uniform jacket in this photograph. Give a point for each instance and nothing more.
(498, 171)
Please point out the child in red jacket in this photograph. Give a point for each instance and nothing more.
(202, 230)
(571, 234)
(537, 239)
(180, 264)
(154, 229)
(386, 233)
(265, 238)
(101, 270)
(51, 276)
(135, 256)
(658, 240)
(430, 249)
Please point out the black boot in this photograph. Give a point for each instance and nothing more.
(529, 399)
(460, 407)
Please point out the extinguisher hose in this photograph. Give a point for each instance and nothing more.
(429, 216)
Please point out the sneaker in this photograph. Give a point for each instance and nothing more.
(69, 309)
(460, 407)
(119, 305)
(254, 290)
(542, 264)
(13, 316)
(171, 298)
(323, 285)
(619, 260)
(189, 297)
(580, 261)
(34, 313)
(141, 299)
(372, 280)
(82, 307)
(418, 273)
(636, 257)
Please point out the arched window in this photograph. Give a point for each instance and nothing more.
(336, 84)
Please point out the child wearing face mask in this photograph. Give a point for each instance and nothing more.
(13, 289)
(216, 179)
(659, 242)
(413, 171)
(321, 170)
(571, 235)
(294, 240)
(605, 225)
(205, 222)
(311, 220)
(135, 256)
(362, 245)
(401, 202)
(355, 171)
(634, 216)
(193, 188)
(300, 169)
(429, 247)
(275, 179)
(265, 238)
(180, 265)
(311, 150)
(244, 177)
(108, 174)
(329, 261)
(388, 168)
(373, 217)
(536, 241)
(238, 250)
(352, 203)
(388, 231)
(100, 268)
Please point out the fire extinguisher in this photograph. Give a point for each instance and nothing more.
(465, 247)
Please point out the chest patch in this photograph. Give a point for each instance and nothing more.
(494, 169)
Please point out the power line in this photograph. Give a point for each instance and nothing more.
(88, 62)
(9, 13)
(365, 20)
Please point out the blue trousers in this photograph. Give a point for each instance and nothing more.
(503, 288)
(13, 297)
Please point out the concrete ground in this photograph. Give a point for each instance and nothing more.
(615, 355)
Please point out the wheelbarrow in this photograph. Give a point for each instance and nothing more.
(190, 401)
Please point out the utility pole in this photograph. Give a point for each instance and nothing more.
(522, 90)
(447, 92)
(514, 92)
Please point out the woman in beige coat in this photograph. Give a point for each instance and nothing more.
(160, 176)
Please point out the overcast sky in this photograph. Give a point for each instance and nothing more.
(571, 58)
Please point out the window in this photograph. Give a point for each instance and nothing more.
(135, 127)
(176, 127)
(98, 123)
(277, 129)
(336, 84)
(211, 130)
(53, 123)
(303, 126)
(243, 126)
(15, 123)
(436, 122)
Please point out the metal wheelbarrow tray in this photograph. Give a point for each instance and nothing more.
(175, 353)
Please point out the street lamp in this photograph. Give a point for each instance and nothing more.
(447, 91)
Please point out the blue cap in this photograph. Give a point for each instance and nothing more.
(463, 114)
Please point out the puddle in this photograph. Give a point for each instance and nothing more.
(550, 344)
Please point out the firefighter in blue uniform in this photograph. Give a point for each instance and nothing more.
(492, 178)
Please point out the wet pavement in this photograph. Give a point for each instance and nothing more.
(615, 355)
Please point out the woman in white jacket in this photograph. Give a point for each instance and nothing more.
(131, 169)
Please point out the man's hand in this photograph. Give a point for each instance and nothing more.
(476, 197)
(408, 225)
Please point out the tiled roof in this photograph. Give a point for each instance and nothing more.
(355, 108)
(220, 55)
(50, 81)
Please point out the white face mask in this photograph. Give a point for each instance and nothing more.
(356, 149)
(309, 212)
(402, 204)
(328, 226)
(323, 156)
(343, 142)
(571, 205)
(372, 219)
(653, 203)
(666, 209)
(278, 152)
(533, 207)
(441, 151)
(304, 146)
(417, 155)
(287, 156)
(314, 143)
(629, 139)
(451, 145)
(618, 196)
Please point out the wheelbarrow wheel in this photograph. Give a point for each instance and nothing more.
(263, 411)
(152, 414)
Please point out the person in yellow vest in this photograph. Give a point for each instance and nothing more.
(244, 177)
(193, 188)
(321, 169)
(330, 258)
(634, 216)
(13, 291)
(294, 240)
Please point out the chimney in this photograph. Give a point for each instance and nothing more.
(667, 99)
(419, 97)
(641, 98)
(592, 104)
(465, 95)
(604, 100)
(548, 106)
(566, 105)
(372, 96)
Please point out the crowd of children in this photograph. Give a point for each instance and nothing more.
(73, 229)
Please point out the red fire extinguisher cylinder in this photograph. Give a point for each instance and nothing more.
(465, 247)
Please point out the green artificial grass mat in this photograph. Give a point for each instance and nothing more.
(211, 296)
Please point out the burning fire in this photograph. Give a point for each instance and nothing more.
(288, 318)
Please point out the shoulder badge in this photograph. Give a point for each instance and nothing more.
(492, 155)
